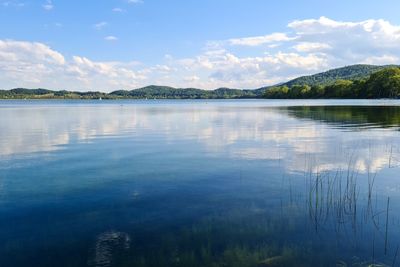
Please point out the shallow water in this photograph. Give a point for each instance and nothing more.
(199, 183)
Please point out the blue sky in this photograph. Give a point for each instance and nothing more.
(124, 44)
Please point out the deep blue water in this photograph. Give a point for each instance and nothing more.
(199, 183)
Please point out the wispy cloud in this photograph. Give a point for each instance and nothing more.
(135, 1)
(100, 25)
(110, 38)
(13, 3)
(48, 5)
(260, 40)
(30, 64)
(118, 10)
(305, 47)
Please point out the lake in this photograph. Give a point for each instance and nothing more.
(200, 183)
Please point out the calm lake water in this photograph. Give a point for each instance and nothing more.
(199, 183)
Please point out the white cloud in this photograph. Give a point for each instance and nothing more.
(30, 65)
(224, 69)
(103, 75)
(309, 46)
(48, 5)
(13, 3)
(191, 79)
(17, 51)
(135, 1)
(100, 25)
(162, 68)
(381, 60)
(26, 64)
(118, 10)
(260, 40)
(110, 38)
(317, 26)
(348, 42)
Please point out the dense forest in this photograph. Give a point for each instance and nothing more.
(354, 72)
(357, 81)
(149, 92)
(165, 92)
(384, 83)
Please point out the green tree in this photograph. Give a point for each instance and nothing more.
(299, 91)
(277, 92)
(384, 84)
(317, 91)
(340, 89)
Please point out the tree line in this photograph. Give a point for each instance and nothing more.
(381, 84)
(347, 82)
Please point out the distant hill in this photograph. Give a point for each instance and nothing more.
(166, 92)
(149, 92)
(22, 93)
(359, 81)
(352, 73)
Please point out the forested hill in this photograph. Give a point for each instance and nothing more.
(347, 82)
(149, 92)
(354, 72)
(154, 91)
(384, 83)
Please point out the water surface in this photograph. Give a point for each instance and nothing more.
(199, 183)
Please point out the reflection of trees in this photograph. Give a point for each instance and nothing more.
(350, 116)
(250, 131)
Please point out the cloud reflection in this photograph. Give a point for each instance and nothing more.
(250, 130)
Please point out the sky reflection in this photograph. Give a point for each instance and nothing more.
(252, 130)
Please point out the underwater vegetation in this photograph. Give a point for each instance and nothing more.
(337, 220)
